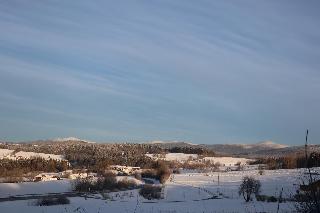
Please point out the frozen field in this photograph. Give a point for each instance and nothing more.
(28, 188)
(189, 192)
(182, 157)
(272, 181)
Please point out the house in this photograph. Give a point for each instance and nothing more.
(82, 175)
(78, 176)
(47, 177)
(124, 170)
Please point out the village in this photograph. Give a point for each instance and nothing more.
(83, 174)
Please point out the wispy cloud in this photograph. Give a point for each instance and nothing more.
(202, 72)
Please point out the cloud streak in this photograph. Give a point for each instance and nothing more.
(206, 72)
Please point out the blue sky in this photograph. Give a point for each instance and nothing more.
(196, 71)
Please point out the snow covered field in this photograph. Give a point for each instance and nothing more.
(28, 188)
(182, 157)
(188, 192)
(272, 181)
(173, 156)
(227, 161)
(124, 203)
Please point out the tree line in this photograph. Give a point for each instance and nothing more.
(290, 161)
(15, 169)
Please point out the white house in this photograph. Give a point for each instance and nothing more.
(47, 177)
(128, 170)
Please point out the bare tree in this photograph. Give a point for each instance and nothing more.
(308, 197)
(248, 187)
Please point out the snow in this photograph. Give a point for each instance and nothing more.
(271, 144)
(170, 142)
(227, 161)
(125, 204)
(181, 157)
(272, 181)
(67, 139)
(27, 155)
(174, 156)
(188, 192)
(9, 154)
(5, 152)
(14, 189)
(71, 139)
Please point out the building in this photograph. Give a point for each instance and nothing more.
(124, 170)
(47, 177)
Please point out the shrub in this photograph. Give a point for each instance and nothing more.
(160, 172)
(109, 181)
(307, 199)
(248, 187)
(267, 198)
(150, 192)
(103, 183)
(82, 185)
(50, 201)
(163, 172)
(150, 173)
(164, 177)
(176, 171)
(272, 199)
(137, 175)
(126, 184)
(13, 179)
(261, 198)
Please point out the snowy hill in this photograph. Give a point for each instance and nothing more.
(13, 155)
(71, 139)
(226, 149)
(264, 144)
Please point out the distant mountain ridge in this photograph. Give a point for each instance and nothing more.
(171, 142)
(67, 139)
(71, 139)
(260, 149)
(265, 144)
(245, 149)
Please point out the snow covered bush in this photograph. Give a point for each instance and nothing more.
(248, 187)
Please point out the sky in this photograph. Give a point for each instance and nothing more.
(173, 70)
